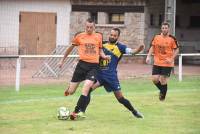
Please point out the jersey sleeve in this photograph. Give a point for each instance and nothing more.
(174, 42)
(153, 41)
(75, 40)
(129, 50)
(122, 48)
(101, 42)
(100, 36)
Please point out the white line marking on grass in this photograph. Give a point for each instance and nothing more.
(75, 96)
(31, 100)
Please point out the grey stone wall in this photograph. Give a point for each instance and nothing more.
(132, 32)
(77, 22)
(109, 2)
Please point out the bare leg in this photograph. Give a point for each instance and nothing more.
(86, 87)
(71, 88)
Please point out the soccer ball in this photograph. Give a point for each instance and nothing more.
(63, 113)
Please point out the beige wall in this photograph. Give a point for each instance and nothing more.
(9, 22)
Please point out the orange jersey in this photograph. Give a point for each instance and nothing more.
(89, 46)
(163, 49)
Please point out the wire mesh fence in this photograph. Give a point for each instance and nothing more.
(35, 71)
(7, 72)
(43, 70)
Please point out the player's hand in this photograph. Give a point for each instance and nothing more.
(107, 57)
(169, 61)
(141, 47)
(60, 64)
(148, 60)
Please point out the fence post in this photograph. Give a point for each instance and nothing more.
(180, 69)
(18, 69)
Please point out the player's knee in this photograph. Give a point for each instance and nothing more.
(155, 81)
(163, 80)
(85, 92)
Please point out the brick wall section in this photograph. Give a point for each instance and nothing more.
(132, 32)
(77, 22)
(109, 2)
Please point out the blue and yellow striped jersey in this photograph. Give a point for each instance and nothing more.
(116, 51)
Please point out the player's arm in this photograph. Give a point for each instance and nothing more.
(74, 43)
(175, 48)
(176, 51)
(102, 55)
(69, 49)
(148, 59)
(101, 52)
(135, 51)
(138, 49)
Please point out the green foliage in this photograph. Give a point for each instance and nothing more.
(33, 110)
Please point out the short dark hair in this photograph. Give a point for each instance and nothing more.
(90, 20)
(166, 23)
(118, 30)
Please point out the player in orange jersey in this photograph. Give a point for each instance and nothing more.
(90, 50)
(165, 48)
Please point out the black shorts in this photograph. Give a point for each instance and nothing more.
(159, 70)
(85, 70)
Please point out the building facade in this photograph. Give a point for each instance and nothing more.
(38, 26)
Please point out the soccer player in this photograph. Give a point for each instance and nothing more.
(165, 48)
(107, 75)
(90, 50)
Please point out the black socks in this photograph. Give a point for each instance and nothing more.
(88, 100)
(127, 104)
(83, 102)
(162, 88)
(158, 85)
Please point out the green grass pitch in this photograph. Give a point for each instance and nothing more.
(33, 110)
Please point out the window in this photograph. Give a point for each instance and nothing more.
(195, 21)
(94, 16)
(151, 20)
(116, 18)
(114, 14)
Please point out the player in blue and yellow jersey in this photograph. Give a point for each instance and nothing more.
(107, 75)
